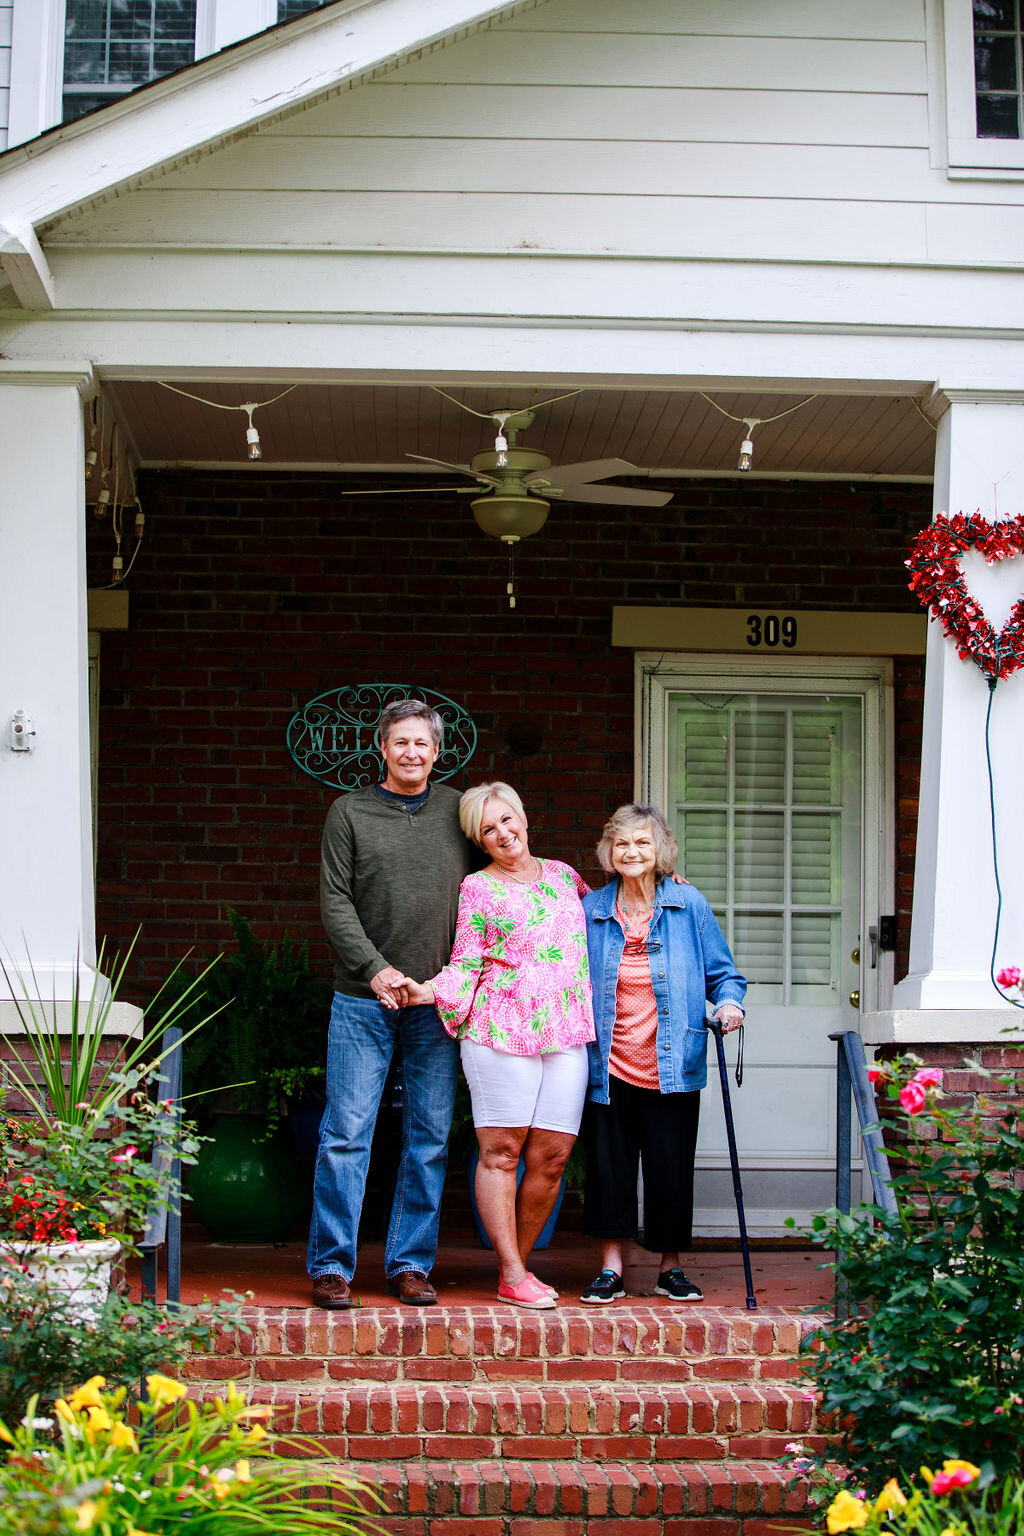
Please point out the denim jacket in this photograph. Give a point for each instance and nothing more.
(690, 963)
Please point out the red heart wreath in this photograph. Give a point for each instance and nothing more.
(938, 580)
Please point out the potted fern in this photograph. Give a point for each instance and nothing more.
(268, 1042)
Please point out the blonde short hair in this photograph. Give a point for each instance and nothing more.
(471, 806)
(626, 819)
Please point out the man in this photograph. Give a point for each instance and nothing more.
(392, 859)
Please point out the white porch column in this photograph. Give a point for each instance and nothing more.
(979, 466)
(46, 889)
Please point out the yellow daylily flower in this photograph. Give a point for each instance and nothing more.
(846, 1513)
(98, 1424)
(5, 1434)
(961, 1466)
(163, 1390)
(242, 1472)
(134, 1530)
(85, 1516)
(87, 1396)
(891, 1497)
(256, 1433)
(123, 1435)
(62, 1411)
(220, 1490)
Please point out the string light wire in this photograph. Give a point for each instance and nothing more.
(252, 437)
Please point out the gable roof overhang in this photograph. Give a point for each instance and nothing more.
(213, 102)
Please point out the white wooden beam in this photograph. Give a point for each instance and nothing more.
(26, 268)
(224, 95)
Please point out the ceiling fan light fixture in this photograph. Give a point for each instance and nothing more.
(505, 517)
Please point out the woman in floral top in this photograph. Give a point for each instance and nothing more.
(516, 993)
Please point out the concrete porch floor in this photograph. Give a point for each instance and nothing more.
(465, 1274)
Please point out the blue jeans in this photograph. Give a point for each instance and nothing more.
(364, 1037)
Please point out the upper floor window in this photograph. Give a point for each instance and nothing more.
(286, 9)
(997, 68)
(981, 42)
(113, 46)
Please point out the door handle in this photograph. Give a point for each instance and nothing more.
(855, 998)
(873, 941)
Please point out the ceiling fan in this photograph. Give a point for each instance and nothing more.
(521, 482)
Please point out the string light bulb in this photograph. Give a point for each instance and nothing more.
(747, 445)
(252, 437)
(501, 441)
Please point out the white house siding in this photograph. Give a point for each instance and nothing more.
(784, 132)
(6, 26)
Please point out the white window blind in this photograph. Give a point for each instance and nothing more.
(766, 793)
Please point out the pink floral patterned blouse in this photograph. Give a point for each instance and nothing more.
(518, 978)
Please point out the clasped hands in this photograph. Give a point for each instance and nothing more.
(395, 990)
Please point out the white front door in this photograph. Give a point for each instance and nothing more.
(774, 782)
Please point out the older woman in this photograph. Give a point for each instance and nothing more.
(516, 993)
(656, 955)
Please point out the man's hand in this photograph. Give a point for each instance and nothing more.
(730, 1017)
(385, 986)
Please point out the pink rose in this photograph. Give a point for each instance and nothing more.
(876, 1074)
(928, 1077)
(913, 1098)
(124, 1156)
(1009, 976)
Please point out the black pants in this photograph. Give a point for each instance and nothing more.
(659, 1131)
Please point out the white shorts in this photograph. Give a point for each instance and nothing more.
(543, 1091)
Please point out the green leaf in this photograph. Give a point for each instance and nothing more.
(550, 954)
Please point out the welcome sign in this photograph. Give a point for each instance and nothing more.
(333, 738)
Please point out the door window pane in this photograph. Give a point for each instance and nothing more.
(767, 809)
(112, 46)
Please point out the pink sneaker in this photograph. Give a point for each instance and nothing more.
(528, 1293)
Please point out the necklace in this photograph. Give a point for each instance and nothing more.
(506, 874)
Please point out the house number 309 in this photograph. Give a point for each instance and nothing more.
(771, 630)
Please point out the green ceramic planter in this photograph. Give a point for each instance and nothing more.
(244, 1189)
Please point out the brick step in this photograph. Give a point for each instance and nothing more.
(517, 1498)
(586, 1422)
(628, 1343)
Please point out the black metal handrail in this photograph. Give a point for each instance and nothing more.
(163, 1223)
(852, 1079)
(853, 1075)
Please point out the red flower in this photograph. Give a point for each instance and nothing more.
(1009, 976)
(928, 1077)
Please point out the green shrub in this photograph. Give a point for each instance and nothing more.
(930, 1363)
(46, 1347)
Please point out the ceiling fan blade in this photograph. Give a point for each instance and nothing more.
(415, 490)
(584, 472)
(616, 495)
(425, 458)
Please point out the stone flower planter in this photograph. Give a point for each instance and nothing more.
(80, 1271)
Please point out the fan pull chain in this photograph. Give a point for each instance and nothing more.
(510, 587)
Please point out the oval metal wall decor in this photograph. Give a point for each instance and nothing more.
(333, 738)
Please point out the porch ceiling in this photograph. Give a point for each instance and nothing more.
(370, 428)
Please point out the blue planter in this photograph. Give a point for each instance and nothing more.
(547, 1231)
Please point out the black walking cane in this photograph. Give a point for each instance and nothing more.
(730, 1130)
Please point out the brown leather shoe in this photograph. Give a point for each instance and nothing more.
(411, 1288)
(332, 1293)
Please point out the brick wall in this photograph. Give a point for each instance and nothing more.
(256, 592)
